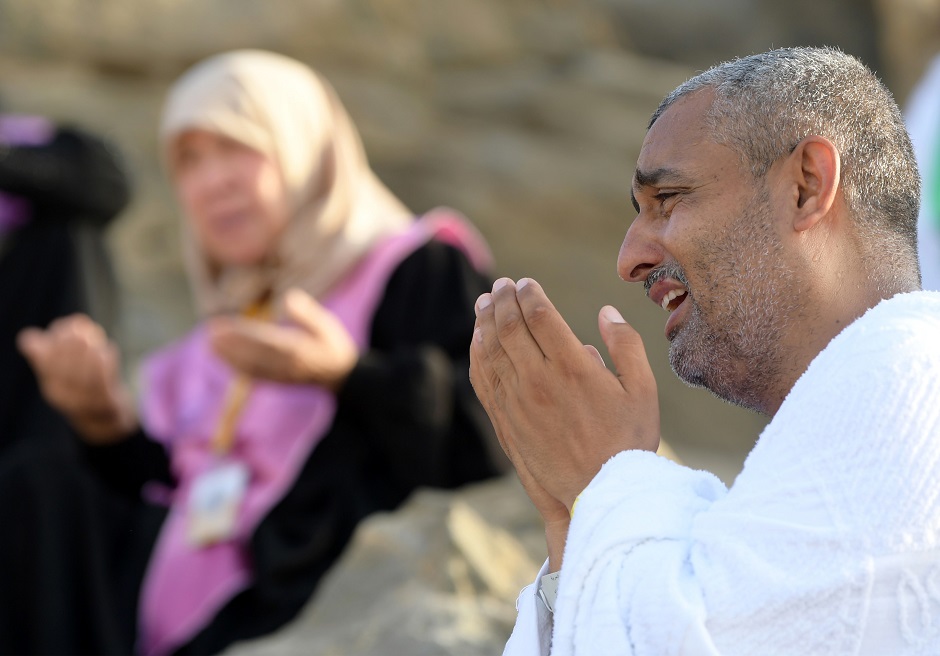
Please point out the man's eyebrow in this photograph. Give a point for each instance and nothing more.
(656, 178)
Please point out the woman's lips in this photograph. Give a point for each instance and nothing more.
(227, 223)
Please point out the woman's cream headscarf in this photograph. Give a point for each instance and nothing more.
(281, 108)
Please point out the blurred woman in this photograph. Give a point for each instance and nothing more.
(327, 380)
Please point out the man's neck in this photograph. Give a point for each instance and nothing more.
(810, 340)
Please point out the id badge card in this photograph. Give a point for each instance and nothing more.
(213, 503)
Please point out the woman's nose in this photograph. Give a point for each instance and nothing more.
(215, 174)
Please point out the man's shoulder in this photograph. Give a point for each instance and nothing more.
(880, 366)
(906, 322)
(920, 304)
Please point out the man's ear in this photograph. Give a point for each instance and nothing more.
(815, 167)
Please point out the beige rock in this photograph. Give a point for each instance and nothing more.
(494, 555)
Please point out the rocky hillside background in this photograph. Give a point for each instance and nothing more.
(526, 115)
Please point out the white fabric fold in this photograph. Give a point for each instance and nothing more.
(534, 637)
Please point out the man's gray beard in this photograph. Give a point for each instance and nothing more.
(702, 357)
(732, 346)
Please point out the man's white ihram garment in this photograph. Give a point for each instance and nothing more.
(827, 543)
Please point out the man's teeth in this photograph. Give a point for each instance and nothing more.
(668, 298)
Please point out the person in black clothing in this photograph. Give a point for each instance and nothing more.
(60, 187)
(327, 380)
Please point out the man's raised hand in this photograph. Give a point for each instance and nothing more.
(559, 415)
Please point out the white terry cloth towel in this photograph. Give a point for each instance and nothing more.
(828, 543)
(922, 116)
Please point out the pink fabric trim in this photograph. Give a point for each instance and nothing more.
(20, 130)
(25, 130)
(185, 385)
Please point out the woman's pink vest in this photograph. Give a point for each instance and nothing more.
(184, 392)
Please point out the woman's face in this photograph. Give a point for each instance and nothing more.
(233, 195)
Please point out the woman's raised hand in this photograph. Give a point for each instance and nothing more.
(78, 369)
(316, 350)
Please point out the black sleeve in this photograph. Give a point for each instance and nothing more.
(127, 465)
(75, 174)
(410, 395)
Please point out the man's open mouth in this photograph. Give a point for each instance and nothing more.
(673, 299)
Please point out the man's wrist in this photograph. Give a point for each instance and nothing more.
(556, 534)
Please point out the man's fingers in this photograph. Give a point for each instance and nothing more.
(624, 345)
(511, 327)
(596, 354)
(546, 326)
(483, 386)
(494, 362)
(483, 375)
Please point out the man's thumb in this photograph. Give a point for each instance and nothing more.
(623, 343)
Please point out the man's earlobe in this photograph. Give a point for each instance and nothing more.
(818, 169)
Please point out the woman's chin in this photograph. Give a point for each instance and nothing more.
(238, 258)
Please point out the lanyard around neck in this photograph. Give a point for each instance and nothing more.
(238, 392)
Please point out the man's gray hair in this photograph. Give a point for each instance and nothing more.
(766, 104)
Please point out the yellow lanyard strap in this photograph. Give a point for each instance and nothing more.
(238, 392)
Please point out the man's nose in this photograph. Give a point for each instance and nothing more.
(640, 252)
